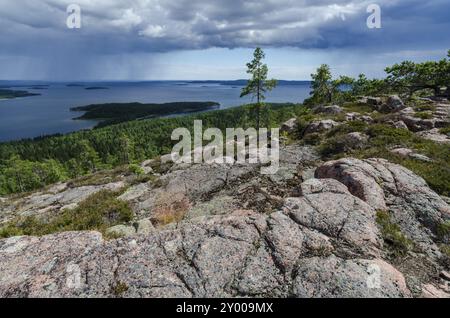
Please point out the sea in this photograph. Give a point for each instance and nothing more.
(49, 113)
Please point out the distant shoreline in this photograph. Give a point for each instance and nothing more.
(12, 94)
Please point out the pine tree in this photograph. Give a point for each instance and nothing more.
(258, 85)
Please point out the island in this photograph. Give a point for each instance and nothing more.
(113, 113)
(96, 88)
(10, 94)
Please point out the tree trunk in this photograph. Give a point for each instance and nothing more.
(258, 110)
(258, 106)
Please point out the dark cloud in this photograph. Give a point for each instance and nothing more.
(109, 27)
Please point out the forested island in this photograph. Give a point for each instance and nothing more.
(95, 88)
(113, 113)
(9, 94)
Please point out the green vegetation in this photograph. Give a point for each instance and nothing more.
(384, 137)
(409, 77)
(119, 289)
(258, 85)
(396, 241)
(9, 94)
(355, 107)
(423, 115)
(113, 113)
(31, 164)
(443, 231)
(445, 130)
(98, 212)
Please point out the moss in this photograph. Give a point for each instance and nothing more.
(98, 212)
(384, 135)
(136, 169)
(170, 208)
(10, 230)
(421, 107)
(332, 146)
(312, 139)
(443, 231)
(445, 130)
(101, 177)
(119, 289)
(304, 121)
(395, 240)
(424, 115)
(349, 127)
(357, 108)
(445, 250)
(381, 139)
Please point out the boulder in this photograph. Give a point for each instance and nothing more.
(434, 135)
(399, 124)
(390, 187)
(121, 230)
(333, 277)
(329, 110)
(430, 291)
(417, 124)
(375, 102)
(290, 126)
(394, 104)
(405, 152)
(320, 126)
(144, 227)
(355, 140)
(358, 116)
(328, 207)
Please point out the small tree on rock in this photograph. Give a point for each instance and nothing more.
(258, 85)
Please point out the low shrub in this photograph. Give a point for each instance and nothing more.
(423, 115)
(98, 212)
(395, 240)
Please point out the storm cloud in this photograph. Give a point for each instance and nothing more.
(35, 35)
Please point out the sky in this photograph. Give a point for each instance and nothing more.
(214, 39)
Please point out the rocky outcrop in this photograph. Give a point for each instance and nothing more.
(438, 118)
(434, 135)
(390, 187)
(329, 110)
(406, 152)
(357, 116)
(355, 140)
(320, 126)
(290, 126)
(328, 207)
(374, 102)
(242, 235)
(342, 278)
(241, 254)
(393, 104)
(53, 200)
